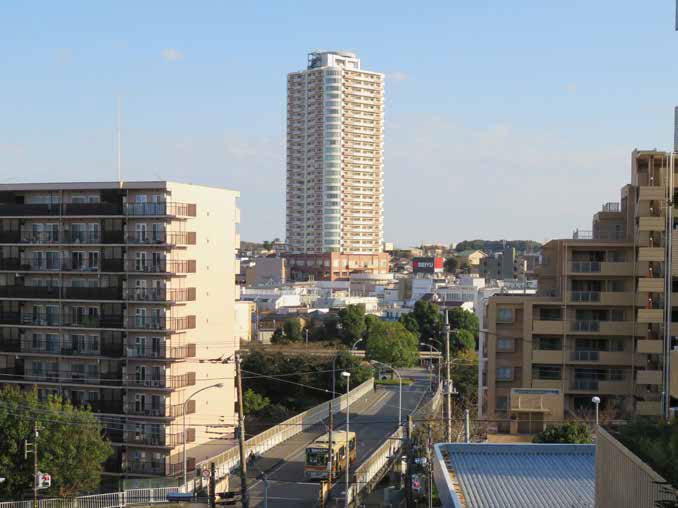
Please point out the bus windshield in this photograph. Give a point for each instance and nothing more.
(316, 456)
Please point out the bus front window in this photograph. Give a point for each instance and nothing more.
(316, 457)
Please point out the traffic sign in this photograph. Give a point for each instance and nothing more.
(205, 473)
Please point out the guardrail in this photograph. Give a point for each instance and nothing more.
(266, 440)
(430, 406)
(376, 463)
(111, 500)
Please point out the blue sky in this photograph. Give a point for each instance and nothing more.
(496, 112)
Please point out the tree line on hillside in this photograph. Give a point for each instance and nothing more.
(394, 343)
(492, 246)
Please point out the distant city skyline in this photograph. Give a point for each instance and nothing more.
(495, 113)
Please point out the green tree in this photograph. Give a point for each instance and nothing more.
(410, 322)
(360, 371)
(464, 372)
(655, 443)
(253, 402)
(570, 432)
(292, 329)
(70, 445)
(468, 327)
(393, 344)
(451, 264)
(464, 340)
(352, 321)
(428, 318)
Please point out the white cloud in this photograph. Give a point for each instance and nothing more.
(171, 55)
(397, 76)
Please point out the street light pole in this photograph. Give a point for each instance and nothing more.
(331, 416)
(448, 432)
(347, 375)
(596, 401)
(218, 385)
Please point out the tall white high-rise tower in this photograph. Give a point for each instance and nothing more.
(335, 135)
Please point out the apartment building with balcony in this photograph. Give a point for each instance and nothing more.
(119, 296)
(596, 326)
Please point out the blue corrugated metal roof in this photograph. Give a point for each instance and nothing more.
(522, 475)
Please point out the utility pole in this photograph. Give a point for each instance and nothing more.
(213, 485)
(448, 430)
(34, 448)
(410, 460)
(241, 438)
(429, 444)
(331, 421)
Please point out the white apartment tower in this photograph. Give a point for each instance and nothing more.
(335, 136)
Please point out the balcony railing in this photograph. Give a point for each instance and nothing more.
(585, 296)
(18, 210)
(146, 410)
(9, 263)
(585, 326)
(29, 292)
(585, 356)
(112, 293)
(178, 409)
(12, 373)
(160, 294)
(584, 384)
(161, 323)
(101, 406)
(162, 237)
(161, 209)
(163, 352)
(113, 265)
(43, 292)
(182, 380)
(29, 236)
(93, 209)
(585, 266)
(146, 467)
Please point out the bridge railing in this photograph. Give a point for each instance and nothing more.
(376, 462)
(230, 459)
(430, 406)
(110, 500)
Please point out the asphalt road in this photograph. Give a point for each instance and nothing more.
(372, 418)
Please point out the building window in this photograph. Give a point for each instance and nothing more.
(506, 345)
(501, 403)
(504, 315)
(549, 344)
(505, 373)
(549, 314)
(549, 372)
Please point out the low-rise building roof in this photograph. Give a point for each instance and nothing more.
(485, 475)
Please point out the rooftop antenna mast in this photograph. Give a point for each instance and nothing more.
(119, 144)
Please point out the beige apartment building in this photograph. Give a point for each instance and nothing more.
(596, 325)
(335, 113)
(120, 296)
